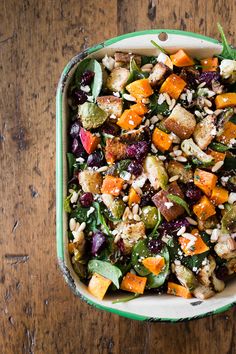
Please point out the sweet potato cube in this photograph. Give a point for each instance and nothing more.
(139, 108)
(181, 58)
(112, 185)
(133, 283)
(178, 290)
(129, 120)
(161, 140)
(204, 180)
(209, 64)
(219, 195)
(190, 248)
(173, 85)
(228, 133)
(225, 100)
(154, 264)
(134, 197)
(218, 156)
(140, 89)
(204, 209)
(98, 286)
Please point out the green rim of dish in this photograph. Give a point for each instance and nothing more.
(59, 174)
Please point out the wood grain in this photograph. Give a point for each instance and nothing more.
(38, 312)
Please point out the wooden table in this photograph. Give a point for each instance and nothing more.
(38, 312)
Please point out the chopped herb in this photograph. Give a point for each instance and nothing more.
(228, 51)
(159, 47)
(179, 201)
(126, 299)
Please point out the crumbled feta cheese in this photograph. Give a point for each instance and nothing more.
(108, 62)
(79, 159)
(85, 88)
(125, 175)
(168, 204)
(224, 180)
(227, 68)
(140, 181)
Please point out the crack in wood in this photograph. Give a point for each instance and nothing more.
(33, 191)
(15, 259)
(16, 224)
(151, 10)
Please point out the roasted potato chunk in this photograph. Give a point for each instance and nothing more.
(158, 74)
(111, 105)
(114, 150)
(90, 181)
(123, 59)
(131, 233)
(205, 131)
(117, 79)
(181, 122)
(169, 209)
(203, 292)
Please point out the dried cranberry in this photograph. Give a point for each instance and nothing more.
(98, 242)
(111, 128)
(148, 193)
(74, 130)
(172, 227)
(86, 199)
(120, 245)
(208, 77)
(77, 149)
(96, 159)
(87, 77)
(222, 272)
(135, 168)
(138, 150)
(79, 97)
(193, 192)
(155, 245)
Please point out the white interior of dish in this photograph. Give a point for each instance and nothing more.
(155, 306)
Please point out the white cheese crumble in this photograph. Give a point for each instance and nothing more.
(168, 204)
(227, 68)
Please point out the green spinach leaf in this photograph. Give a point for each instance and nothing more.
(105, 269)
(71, 162)
(135, 72)
(158, 47)
(148, 60)
(179, 201)
(126, 299)
(66, 204)
(230, 163)
(218, 147)
(156, 108)
(155, 281)
(154, 232)
(92, 65)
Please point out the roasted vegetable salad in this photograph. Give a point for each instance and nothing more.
(152, 173)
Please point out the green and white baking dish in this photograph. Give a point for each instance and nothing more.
(148, 307)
